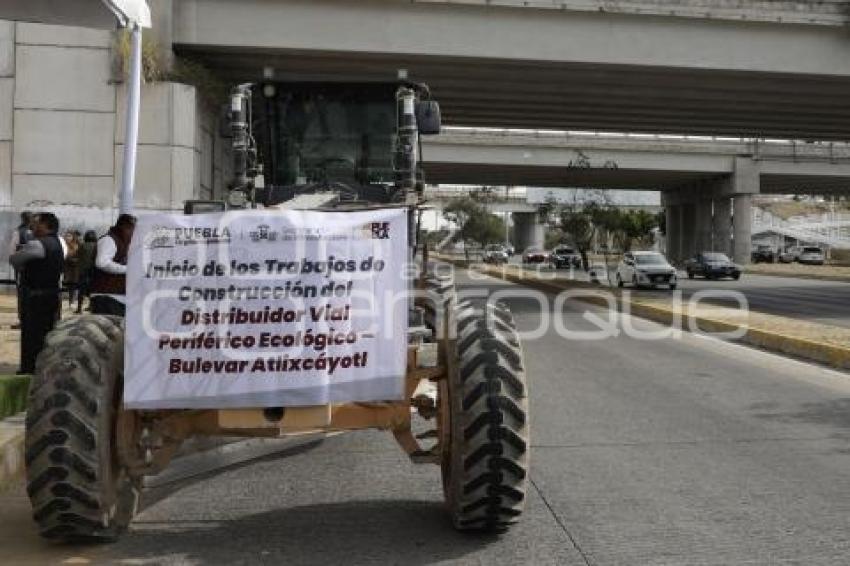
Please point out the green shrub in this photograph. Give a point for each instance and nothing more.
(13, 394)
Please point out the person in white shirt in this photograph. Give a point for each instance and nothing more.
(108, 284)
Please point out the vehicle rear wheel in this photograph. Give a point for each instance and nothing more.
(440, 289)
(77, 490)
(485, 471)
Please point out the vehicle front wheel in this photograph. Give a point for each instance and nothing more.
(77, 490)
(485, 471)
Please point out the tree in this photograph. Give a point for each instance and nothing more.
(434, 237)
(637, 227)
(553, 237)
(485, 229)
(546, 208)
(474, 223)
(577, 223)
(609, 221)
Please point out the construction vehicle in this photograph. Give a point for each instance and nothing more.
(326, 146)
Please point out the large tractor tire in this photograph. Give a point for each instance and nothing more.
(78, 491)
(440, 296)
(485, 471)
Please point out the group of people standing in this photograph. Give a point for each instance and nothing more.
(79, 264)
(90, 266)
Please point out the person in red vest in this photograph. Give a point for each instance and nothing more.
(108, 286)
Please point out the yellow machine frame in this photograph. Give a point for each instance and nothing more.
(147, 440)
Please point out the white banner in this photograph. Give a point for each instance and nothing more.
(266, 308)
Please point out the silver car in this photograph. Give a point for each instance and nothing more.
(496, 253)
(812, 255)
(646, 269)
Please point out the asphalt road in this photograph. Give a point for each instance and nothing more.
(826, 302)
(666, 451)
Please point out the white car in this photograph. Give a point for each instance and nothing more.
(495, 253)
(646, 269)
(811, 255)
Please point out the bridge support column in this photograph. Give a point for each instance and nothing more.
(528, 231)
(702, 224)
(742, 240)
(673, 233)
(746, 181)
(688, 232)
(723, 225)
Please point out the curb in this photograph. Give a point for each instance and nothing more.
(821, 352)
(809, 276)
(11, 450)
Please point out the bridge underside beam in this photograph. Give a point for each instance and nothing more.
(540, 176)
(545, 68)
(537, 176)
(804, 185)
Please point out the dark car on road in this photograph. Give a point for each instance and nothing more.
(564, 257)
(764, 254)
(534, 255)
(712, 265)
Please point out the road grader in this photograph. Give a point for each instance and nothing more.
(327, 146)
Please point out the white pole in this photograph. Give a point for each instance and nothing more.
(507, 217)
(131, 136)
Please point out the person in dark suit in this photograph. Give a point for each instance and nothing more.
(40, 261)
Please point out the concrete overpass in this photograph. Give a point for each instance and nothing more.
(528, 229)
(758, 69)
(620, 161)
(767, 69)
(706, 183)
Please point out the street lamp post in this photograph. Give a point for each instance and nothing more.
(134, 87)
